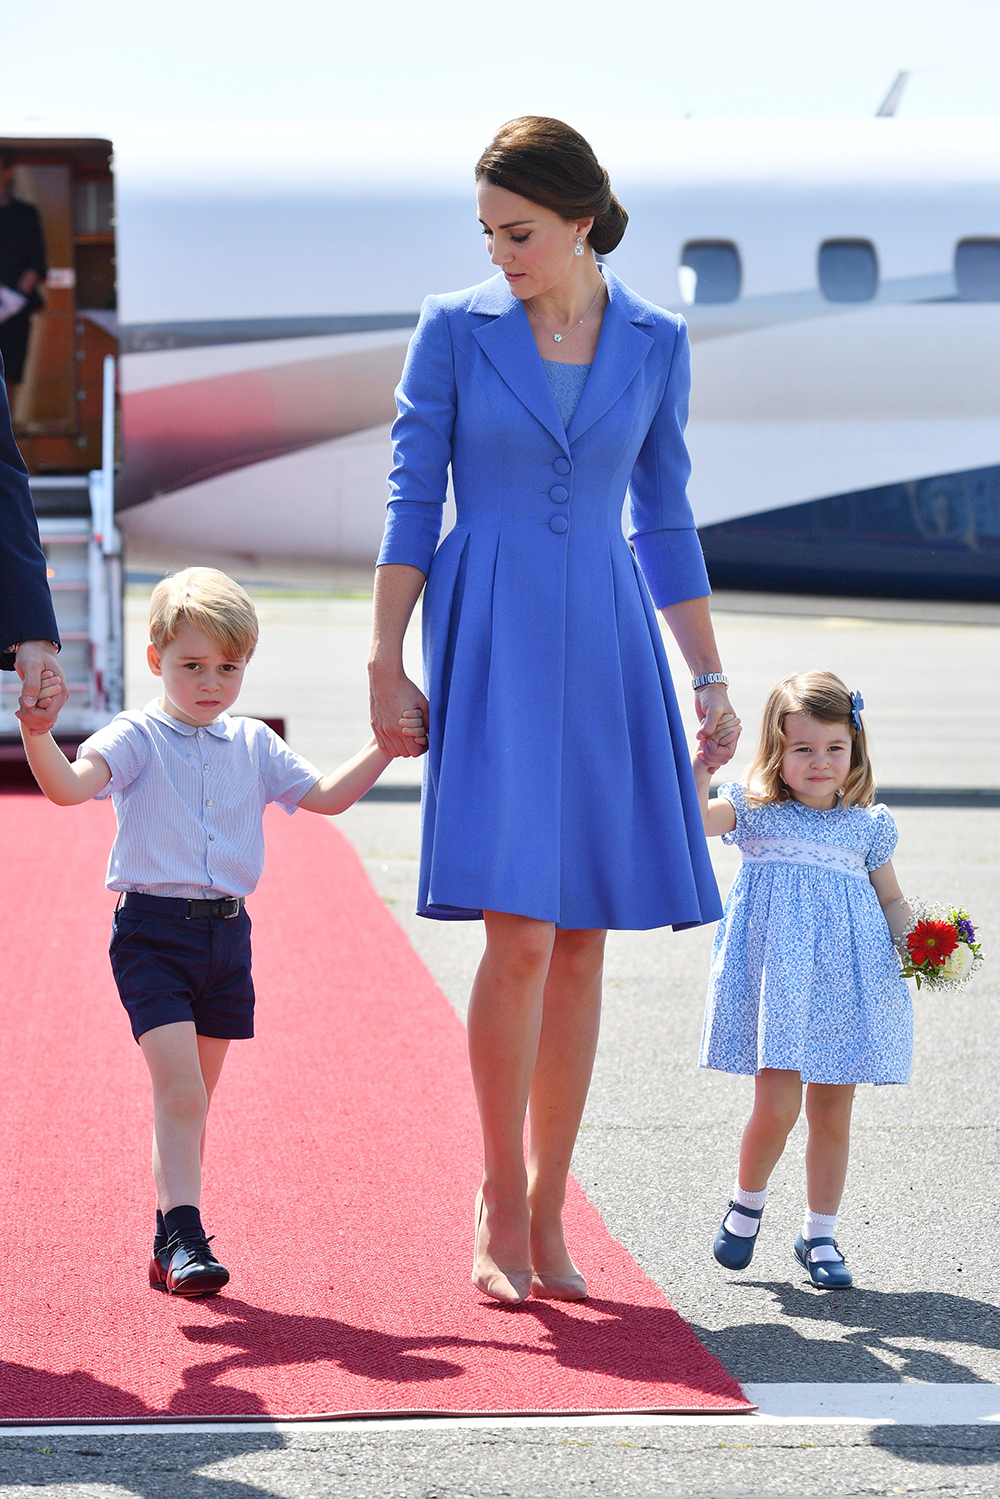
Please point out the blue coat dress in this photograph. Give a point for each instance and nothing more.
(557, 783)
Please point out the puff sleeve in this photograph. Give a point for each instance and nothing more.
(662, 528)
(732, 793)
(884, 838)
(421, 443)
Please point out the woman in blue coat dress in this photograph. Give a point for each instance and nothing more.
(558, 797)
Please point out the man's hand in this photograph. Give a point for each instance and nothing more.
(38, 713)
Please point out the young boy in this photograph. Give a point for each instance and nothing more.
(189, 786)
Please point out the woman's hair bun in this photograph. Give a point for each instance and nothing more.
(608, 228)
(551, 164)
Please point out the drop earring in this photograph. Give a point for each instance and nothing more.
(578, 247)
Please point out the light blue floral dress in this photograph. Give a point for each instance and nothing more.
(804, 973)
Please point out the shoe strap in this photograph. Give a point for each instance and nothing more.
(758, 1213)
(810, 1244)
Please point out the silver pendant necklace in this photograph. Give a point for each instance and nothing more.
(558, 337)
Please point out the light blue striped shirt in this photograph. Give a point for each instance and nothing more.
(190, 801)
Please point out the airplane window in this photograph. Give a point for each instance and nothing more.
(848, 270)
(977, 270)
(709, 271)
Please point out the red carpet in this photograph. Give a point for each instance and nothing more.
(343, 1142)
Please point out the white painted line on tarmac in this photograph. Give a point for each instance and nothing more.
(778, 1405)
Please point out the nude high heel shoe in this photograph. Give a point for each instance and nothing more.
(559, 1287)
(512, 1286)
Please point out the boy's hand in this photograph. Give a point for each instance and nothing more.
(412, 725)
(32, 659)
(51, 687)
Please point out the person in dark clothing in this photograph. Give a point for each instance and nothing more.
(29, 637)
(22, 270)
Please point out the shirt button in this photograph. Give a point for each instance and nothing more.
(211, 837)
(208, 801)
(205, 766)
(562, 465)
(201, 733)
(559, 524)
(558, 493)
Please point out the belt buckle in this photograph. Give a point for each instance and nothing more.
(232, 901)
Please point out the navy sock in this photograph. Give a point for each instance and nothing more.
(161, 1236)
(184, 1221)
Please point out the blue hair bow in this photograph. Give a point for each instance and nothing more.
(857, 703)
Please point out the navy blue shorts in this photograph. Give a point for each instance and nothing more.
(168, 968)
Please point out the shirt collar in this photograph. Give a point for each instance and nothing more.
(222, 728)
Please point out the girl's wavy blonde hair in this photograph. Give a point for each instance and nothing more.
(820, 695)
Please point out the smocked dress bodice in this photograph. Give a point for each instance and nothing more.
(804, 974)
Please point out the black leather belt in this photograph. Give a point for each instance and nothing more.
(226, 906)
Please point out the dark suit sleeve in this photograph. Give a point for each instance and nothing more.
(26, 611)
(35, 259)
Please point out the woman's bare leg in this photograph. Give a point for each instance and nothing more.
(571, 1022)
(776, 1105)
(828, 1112)
(504, 1025)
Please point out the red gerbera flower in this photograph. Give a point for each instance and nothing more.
(931, 942)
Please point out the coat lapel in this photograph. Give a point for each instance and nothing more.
(509, 345)
(621, 348)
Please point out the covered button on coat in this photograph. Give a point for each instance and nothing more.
(557, 783)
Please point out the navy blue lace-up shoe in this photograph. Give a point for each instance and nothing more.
(828, 1275)
(735, 1251)
(187, 1267)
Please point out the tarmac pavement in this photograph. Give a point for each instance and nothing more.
(658, 1147)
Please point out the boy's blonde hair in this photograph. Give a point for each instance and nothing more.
(212, 603)
(820, 695)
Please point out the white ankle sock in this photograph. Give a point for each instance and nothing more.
(820, 1226)
(737, 1222)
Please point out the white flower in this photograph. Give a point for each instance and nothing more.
(958, 965)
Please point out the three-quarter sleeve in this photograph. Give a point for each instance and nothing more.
(421, 443)
(662, 528)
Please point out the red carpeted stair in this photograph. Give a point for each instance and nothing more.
(342, 1166)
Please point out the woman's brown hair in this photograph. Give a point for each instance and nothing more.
(551, 164)
(820, 695)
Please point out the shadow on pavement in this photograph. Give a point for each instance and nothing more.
(867, 1329)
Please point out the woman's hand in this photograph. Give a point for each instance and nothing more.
(720, 728)
(395, 699)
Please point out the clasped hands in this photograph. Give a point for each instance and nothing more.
(43, 689)
(720, 728)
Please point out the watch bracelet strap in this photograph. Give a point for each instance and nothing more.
(708, 678)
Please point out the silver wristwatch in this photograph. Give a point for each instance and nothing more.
(708, 677)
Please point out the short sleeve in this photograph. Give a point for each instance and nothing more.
(732, 792)
(125, 746)
(884, 838)
(286, 776)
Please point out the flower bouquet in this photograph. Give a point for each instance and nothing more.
(940, 949)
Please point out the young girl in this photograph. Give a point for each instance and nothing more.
(805, 984)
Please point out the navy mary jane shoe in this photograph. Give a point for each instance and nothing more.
(735, 1251)
(827, 1275)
